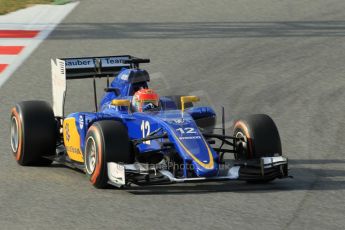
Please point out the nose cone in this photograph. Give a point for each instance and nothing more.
(200, 155)
(201, 171)
(191, 145)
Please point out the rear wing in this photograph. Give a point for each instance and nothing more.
(63, 69)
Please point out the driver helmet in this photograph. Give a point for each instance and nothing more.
(144, 100)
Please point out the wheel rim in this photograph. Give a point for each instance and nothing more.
(90, 155)
(14, 134)
(241, 143)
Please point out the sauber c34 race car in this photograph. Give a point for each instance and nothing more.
(135, 136)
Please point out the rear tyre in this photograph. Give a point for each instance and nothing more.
(106, 141)
(33, 132)
(258, 137)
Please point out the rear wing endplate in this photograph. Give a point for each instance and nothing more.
(84, 67)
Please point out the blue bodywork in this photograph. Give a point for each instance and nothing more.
(180, 126)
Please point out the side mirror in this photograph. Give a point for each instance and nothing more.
(121, 102)
(185, 99)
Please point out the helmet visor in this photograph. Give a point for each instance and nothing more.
(148, 105)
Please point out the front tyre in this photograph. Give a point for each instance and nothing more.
(33, 132)
(106, 141)
(256, 136)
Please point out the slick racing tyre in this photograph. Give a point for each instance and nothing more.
(257, 136)
(106, 141)
(33, 132)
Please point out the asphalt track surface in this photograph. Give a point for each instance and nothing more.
(283, 58)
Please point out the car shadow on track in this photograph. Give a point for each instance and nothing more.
(234, 188)
(308, 174)
(317, 178)
(182, 189)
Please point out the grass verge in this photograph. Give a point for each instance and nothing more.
(7, 6)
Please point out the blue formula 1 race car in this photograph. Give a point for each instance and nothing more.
(136, 136)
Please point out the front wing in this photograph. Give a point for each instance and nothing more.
(268, 168)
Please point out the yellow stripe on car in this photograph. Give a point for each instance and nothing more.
(208, 165)
(71, 139)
